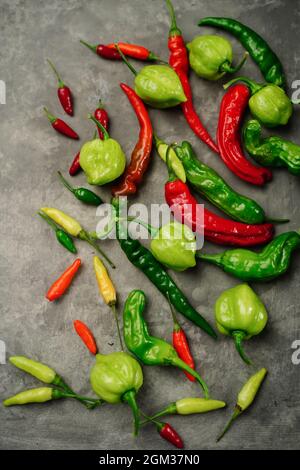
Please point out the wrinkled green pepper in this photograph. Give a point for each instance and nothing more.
(240, 314)
(272, 151)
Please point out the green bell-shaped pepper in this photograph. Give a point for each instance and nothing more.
(210, 57)
(175, 246)
(117, 378)
(102, 161)
(240, 314)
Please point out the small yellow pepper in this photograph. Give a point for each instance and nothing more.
(64, 220)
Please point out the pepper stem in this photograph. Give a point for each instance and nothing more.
(236, 413)
(60, 82)
(152, 230)
(48, 220)
(65, 182)
(129, 398)
(276, 221)
(88, 402)
(177, 362)
(174, 30)
(226, 66)
(169, 410)
(93, 48)
(238, 337)
(83, 235)
(214, 259)
(49, 115)
(114, 310)
(177, 326)
(126, 60)
(254, 87)
(98, 124)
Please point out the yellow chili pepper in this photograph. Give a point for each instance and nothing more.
(107, 290)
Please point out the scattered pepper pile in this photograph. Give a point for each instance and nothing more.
(239, 313)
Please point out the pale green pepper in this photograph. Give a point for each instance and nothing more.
(240, 314)
(189, 406)
(102, 161)
(174, 161)
(117, 378)
(210, 57)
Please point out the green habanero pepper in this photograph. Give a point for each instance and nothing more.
(188, 406)
(246, 397)
(240, 314)
(62, 237)
(247, 265)
(157, 85)
(175, 246)
(117, 378)
(210, 57)
(268, 103)
(149, 349)
(82, 194)
(102, 161)
(272, 151)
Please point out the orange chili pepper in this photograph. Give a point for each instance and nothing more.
(61, 284)
(86, 335)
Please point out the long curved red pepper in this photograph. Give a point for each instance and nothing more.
(61, 284)
(86, 335)
(141, 153)
(110, 52)
(181, 344)
(233, 106)
(63, 92)
(61, 126)
(179, 62)
(101, 116)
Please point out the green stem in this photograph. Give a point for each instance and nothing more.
(254, 87)
(214, 259)
(48, 220)
(126, 60)
(102, 128)
(152, 230)
(50, 116)
(65, 182)
(93, 48)
(60, 82)
(236, 413)
(169, 410)
(277, 221)
(114, 310)
(83, 235)
(177, 362)
(238, 337)
(177, 327)
(226, 66)
(129, 398)
(174, 30)
(88, 402)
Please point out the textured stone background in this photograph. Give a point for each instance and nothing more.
(30, 154)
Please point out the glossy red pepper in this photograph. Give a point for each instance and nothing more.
(75, 166)
(142, 151)
(61, 126)
(179, 62)
(168, 433)
(86, 335)
(233, 106)
(134, 50)
(60, 286)
(63, 92)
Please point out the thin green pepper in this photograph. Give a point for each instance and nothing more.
(188, 406)
(82, 194)
(272, 151)
(62, 237)
(247, 265)
(44, 394)
(143, 259)
(246, 397)
(150, 349)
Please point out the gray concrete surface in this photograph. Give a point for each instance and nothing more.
(30, 154)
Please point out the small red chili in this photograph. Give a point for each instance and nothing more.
(168, 433)
(61, 126)
(60, 286)
(63, 92)
(109, 51)
(86, 335)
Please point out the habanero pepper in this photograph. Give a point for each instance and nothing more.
(82, 194)
(233, 106)
(63, 92)
(62, 237)
(217, 230)
(61, 126)
(140, 157)
(61, 285)
(143, 259)
(86, 335)
(179, 62)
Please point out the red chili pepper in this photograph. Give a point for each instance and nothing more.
(63, 92)
(61, 126)
(216, 229)
(233, 106)
(103, 51)
(86, 335)
(179, 62)
(75, 166)
(141, 153)
(134, 50)
(168, 433)
(180, 343)
(61, 284)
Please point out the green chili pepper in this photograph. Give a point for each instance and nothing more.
(149, 349)
(102, 160)
(211, 57)
(247, 265)
(188, 406)
(44, 394)
(257, 47)
(83, 194)
(272, 151)
(143, 259)
(240, 314)
(246, 397)
(174, 161)
(117, 378)
(268, 103)
(62, 237)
